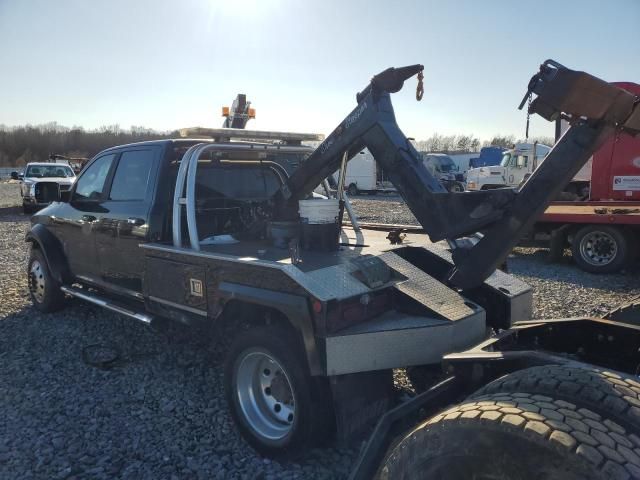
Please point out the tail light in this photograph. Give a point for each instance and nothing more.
(356, 310)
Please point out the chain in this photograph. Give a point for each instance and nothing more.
(420, 87)
(526, 133)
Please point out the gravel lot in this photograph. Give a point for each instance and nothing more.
(162, 414)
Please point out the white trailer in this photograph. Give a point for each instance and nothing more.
(462, 160)
(365, 176)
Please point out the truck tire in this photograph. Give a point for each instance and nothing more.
(27, 209)
(601, 248)
(609, 394)
(44, 290)
(352, 190)
(278, 407)
(456, 187)
(516, 437)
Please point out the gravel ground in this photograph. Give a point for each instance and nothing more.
(161, 414)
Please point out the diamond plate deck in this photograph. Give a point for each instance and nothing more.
(498, 279)
(425, 289)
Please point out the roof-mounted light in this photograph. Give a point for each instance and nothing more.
(227, 134)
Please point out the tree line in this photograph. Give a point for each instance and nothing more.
(32, 143)
(469, 143)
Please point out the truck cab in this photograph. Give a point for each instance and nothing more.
(443, 168)
(123, 198)
(517, 165)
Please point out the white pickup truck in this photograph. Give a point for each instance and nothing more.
(516, 165)
(38, 182)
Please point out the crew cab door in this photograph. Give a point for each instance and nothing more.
(124, 223)
(75, 221)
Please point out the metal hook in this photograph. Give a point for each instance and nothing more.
(420, 87)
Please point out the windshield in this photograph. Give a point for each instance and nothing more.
(442, 164)
(53, 170)
(505, 160)
(446, 164)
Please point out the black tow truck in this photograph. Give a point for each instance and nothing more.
(225, 232)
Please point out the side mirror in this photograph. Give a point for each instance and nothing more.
(14, 175)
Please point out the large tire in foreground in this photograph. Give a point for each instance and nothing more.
(516, 437)
(601, 248)
(278, 407)
(43, 288)
(610, 394)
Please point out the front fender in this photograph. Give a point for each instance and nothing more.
(52, 251)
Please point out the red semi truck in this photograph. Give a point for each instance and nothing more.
(602, 230)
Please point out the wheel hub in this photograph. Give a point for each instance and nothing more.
(598, 248)
(36, 281)
(265, 395)
(280, 389)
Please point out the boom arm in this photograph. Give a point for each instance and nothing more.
(494, 219)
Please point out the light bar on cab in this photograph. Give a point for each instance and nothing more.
(226, 134)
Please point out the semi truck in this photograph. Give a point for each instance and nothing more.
(516, 165)
(601, 222)
(220, 233)
(444, 169)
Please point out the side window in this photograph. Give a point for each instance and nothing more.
(132, 175)
(91, 183)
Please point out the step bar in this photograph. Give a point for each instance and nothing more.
(109, 305)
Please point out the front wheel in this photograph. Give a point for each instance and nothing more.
(27, 209)
(353, 190)
(278, 407)
(456, 187)
(601, 249)
(43, 288)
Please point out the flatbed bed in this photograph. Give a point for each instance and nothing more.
(626, 213)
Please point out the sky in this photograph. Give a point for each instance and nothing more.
(172, 64)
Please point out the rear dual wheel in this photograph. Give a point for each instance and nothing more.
(280, 409)
(602, 248)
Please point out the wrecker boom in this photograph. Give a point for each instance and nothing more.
(483, 226)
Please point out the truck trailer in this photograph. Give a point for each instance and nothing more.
(364, 175)
(600, 222)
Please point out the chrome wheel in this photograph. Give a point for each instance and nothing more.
(36, 281)
(598, 248)
(265, 395)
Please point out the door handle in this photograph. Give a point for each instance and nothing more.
(135, 221)
(88, 218)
